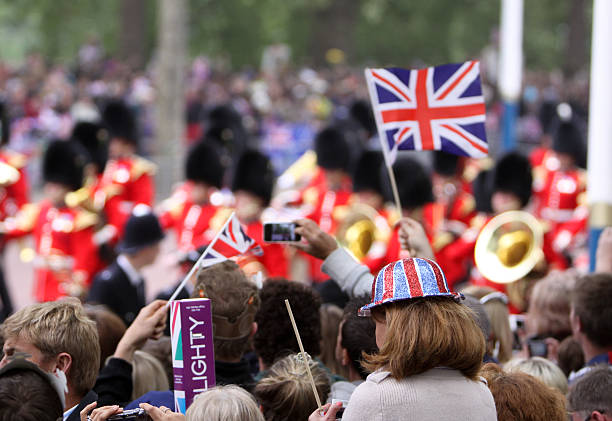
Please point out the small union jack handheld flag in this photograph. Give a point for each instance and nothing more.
(437, 108)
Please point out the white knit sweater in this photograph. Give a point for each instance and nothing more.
(439, 394)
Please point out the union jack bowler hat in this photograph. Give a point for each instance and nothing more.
(406, 279)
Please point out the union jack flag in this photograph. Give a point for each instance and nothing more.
(437, 108)
(231, 241)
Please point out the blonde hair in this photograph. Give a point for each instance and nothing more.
(499, 319)
(540, 368)
(224, 403)
(429, 332)
(56, 327)
(549, 305)
(286, 393)
(148, 374)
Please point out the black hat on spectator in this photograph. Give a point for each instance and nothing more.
(368, 174)
(204, 165)
(120, 121)
(446, 164)
(413, 183)
(94, 138)
(332, 150)
(141, 230)
(568, 138)
(255, 174)
(63, 163)
(513, 175)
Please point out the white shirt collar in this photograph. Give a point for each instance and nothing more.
(68, 412)
(132, 274)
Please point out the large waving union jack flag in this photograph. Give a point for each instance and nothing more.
(437, 108)
(232, 241)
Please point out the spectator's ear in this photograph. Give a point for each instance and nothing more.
(63, 362)
(253, 329)
(575, 323)
(597, 416)
(346, 361)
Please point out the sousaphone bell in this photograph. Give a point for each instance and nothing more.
(509, 246)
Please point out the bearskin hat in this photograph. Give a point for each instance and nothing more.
(204, 165)
(63, 163)
(94, 139)
(120, 121)
(513, 175)
(446, 164)
(5, 129)
(368, 174)
(413, 183)
(361, 111)
(332, 149)
(568, 139)
(255, 174)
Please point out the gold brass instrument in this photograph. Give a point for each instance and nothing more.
(364, 231)
(509, 246)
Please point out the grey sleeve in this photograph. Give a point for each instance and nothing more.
(354, 278)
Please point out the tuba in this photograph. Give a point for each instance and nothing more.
(364, 232)
(509, 247)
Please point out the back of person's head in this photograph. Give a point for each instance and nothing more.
(224, 403)
(480, 315)
(110, 329)
(424, 333)
(147, 374)
(331, 316)
(592, 392)
(162, 350)
(286, 392)
(56, 327)
(549, 306)
(28, 394)
(521, 397)
(496, 306)
(358, 334)
(540, 368)
(235, 302)
(591, 304)
(570, 356)
(275, 337)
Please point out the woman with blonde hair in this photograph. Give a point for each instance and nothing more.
(542, 369)
(286, 392)
(224, 403)
(430, 352)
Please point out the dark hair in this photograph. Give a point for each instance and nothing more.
(110, 329)
(25, 395)
(591, 392)
(162, 350)
(571, 357)
(234, 304)
(358, 334)
(591, 303)
(275, 337)
(521, 397)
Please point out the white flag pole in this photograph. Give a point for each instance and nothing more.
(383, 141)
(197, 267)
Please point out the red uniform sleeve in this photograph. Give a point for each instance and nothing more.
(142, 190)
(85, 254)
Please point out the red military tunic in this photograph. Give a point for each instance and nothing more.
(66, 256)
(14, 187)
(274, 258)
(126, 182)
(194, 224)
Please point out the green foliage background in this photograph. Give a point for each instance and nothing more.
(384, 32)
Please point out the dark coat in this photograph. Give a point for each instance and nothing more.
(113, 288)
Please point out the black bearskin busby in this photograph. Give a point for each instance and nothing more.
(446, 164)
(63, 163)
(513, 175)
(332, 150)
(413, 183)
(369, 172)
(94, 138)
(121, 122)
(361, 112)
(204, 165)
(255, 174)
(5, 131)
(568, 139)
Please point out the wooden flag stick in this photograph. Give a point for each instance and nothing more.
(297, 335)
(197, 267)
(398, 204)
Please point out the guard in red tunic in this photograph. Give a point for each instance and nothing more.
(128, 179)
(189, 211)
(328, 194)
(252, 185)
(66, 256)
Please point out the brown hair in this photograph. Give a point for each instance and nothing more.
(110, 329)
(286, 393)
(521, 397)
(549, 306)
(60, 326)
(429, 332)
(331, 316)
(591, 302)
(591, 391)
(235, 301)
